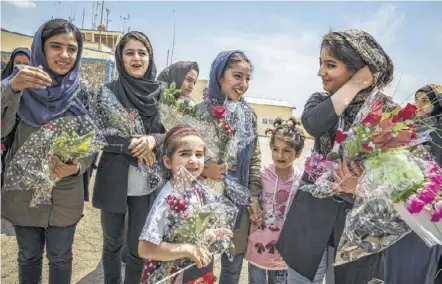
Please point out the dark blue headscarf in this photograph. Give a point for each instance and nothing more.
(215, 94)
(39, 106)
(9, 68)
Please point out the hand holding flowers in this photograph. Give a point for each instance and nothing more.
(62, 170)
(347, 177)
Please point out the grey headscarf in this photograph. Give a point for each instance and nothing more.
(177, 72)
(379, 63)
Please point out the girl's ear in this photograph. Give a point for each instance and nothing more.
(167, 162)
(298, 154)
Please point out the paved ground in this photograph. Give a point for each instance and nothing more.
(88, 242)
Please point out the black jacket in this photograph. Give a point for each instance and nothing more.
(313, 223)
(110, 189)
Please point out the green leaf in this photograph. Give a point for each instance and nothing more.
(396, 111)
(386, 115)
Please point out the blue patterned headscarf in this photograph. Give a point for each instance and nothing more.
(216, 96)
(216, 73)
(39, 106)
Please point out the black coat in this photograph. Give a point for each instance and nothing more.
(313, 223)
(110, 189)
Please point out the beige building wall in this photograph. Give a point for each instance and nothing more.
(197, 93)
(267, 114)
(10, 41)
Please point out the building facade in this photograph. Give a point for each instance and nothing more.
(106, 40)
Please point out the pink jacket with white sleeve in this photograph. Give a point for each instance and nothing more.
(275, 199)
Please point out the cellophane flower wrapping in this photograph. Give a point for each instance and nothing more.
(113, 119)
(69, 138)
(196, 212)
(221, 139)
(386, 139)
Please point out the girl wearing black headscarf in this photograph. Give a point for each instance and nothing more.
(184, 74)
(119, 187)
(20, 56)
(410, 260)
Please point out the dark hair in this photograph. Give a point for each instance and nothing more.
(292, 136)
(294, 120)
(21, 53)
(277, 121)
(340, 49)
(268, 130)
(236, 58)
(60, 26)
(173, 137)
(137, 36)
(195, 67)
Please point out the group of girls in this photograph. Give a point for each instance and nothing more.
(286, 234)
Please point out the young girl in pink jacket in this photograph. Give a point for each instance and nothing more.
(279, 183)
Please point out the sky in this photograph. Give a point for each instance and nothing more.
(282, 39)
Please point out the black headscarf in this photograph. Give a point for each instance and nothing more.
(177, 72)
(141, 94)
(434, 94)
(9, 68)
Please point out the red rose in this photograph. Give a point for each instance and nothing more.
(374, 116)
(218, 111)
(406, 113)
(340, 136)
(367, 147)
(176, 203)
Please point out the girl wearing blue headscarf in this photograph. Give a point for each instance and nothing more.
(230, 75)
(20, 56)
(31, 97)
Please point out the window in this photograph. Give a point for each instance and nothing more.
(271, 121)
(264, 121)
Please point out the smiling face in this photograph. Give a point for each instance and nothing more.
(189, 83)
(189, 154)
(61, 53)
(424, 104)
(135, 58)
(333, 72)
(235, 80)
